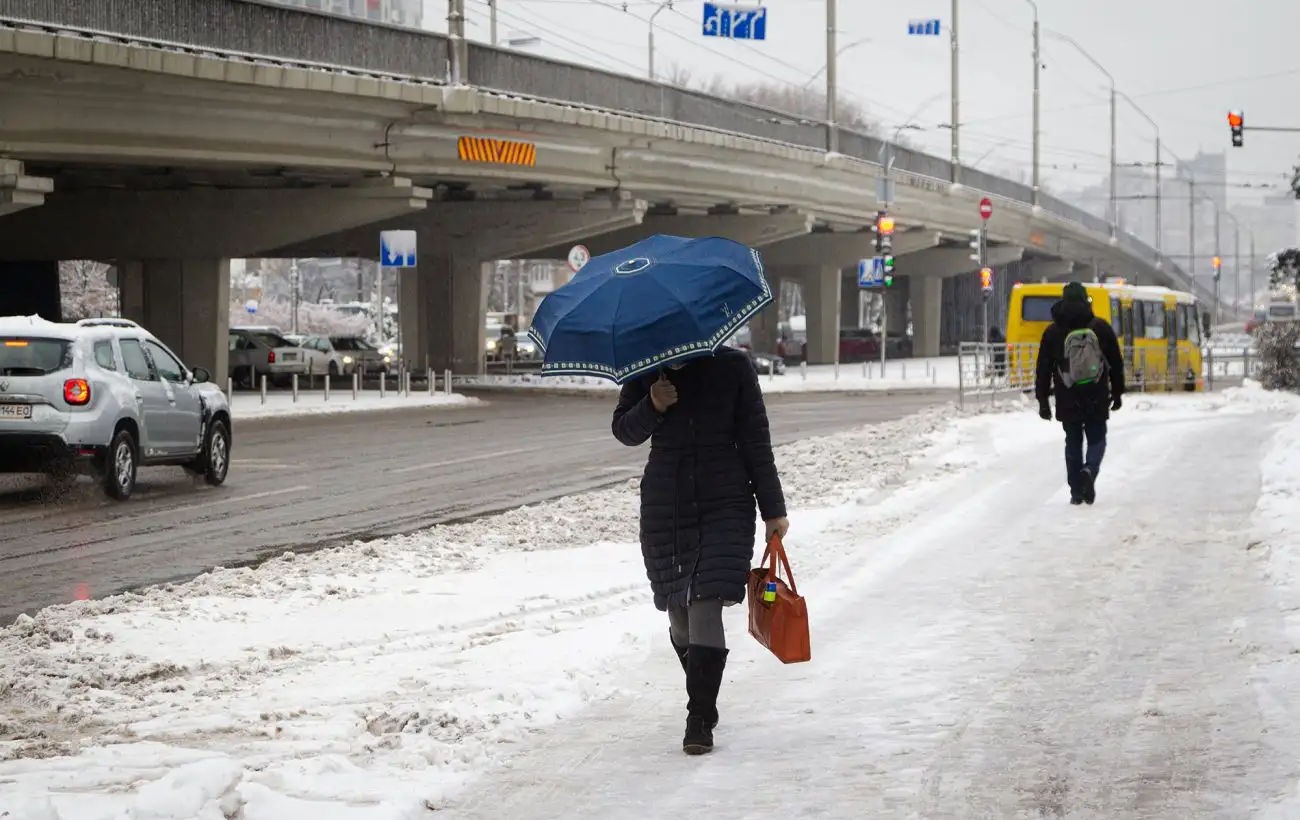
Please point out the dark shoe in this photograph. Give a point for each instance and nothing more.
(699, 737)
(1087, 486)
(704, 668)
(1076, 500)
(681, 656)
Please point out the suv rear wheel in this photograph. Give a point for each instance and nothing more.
(120, 466)
(214, 462)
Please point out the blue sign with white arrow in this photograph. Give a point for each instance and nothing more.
(397, 249)
(735, 22)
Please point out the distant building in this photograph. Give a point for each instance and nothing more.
(408, 13)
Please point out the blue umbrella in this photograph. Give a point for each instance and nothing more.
(662, 300)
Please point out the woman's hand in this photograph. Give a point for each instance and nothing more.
(775, 526)
(663, 394)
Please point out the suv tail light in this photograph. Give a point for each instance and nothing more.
(270, 357)
(76, 392)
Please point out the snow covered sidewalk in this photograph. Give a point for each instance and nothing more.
(981, 649)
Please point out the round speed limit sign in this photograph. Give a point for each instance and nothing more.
(578, 257)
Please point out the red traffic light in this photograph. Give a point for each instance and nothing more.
(986, 278)
(1234, 119)
(885, 225)
(1218, 263)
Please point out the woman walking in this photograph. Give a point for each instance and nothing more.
(710, 462)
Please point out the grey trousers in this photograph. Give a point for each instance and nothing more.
(699, 624)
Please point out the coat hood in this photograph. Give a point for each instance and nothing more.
(1072, 315)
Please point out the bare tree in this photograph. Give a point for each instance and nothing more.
(85, 292)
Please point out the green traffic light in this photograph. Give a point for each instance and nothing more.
(889, 264)
(889, 280)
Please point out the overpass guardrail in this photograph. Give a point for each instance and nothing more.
(260, 31)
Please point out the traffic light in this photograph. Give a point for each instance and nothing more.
(889, 280)
(1236, 122)
(977, 245)
(889, 269)
(884, 229)
(1218, 265)
(986, 281)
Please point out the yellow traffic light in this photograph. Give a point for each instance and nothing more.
(886, 225)
(1218, 263)
(986, 278)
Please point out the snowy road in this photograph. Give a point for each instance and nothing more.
(309, 481)
(1000, 655)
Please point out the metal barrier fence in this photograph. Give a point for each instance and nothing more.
(986, 372)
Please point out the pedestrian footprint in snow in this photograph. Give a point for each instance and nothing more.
(710, 462)
(1079, 361)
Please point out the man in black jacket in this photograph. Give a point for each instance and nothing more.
(1083, 407)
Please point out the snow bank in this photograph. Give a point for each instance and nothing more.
(1276, 521)
(279, 405)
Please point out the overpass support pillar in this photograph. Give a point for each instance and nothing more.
(896, 298)
(442, 306)
(184, 302)
(764, 328)
(821, 299)
(28, 288)
(927, 311)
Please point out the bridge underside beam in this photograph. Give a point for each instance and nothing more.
(18, 191)
(485, 229)
(753, 230)
(196, 223)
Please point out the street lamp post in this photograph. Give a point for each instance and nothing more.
(1156, 126)
(650, 42)
(1113, 133)
(1236, 260)
(832, 80)
(956, 97)
(1038, 64)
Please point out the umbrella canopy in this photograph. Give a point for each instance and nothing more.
(662, 300)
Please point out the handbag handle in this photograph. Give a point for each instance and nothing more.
(776, 550)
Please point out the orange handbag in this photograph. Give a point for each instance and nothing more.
(778, 614)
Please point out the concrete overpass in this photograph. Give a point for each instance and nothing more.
(168, 142)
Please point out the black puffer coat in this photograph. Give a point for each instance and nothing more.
(710, 459)
(1081, 403)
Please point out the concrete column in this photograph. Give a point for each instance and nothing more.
(442, 306)
(821, 295)
(186, 304)
(927, 310)
(28, 288)
(763, 327)
(850, 299)
(896, 299)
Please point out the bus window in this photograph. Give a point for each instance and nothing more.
(1137, 322)
(1194, 326)
(1182, 321)
(1037, 308)
(1153, 319)
(1116, 317)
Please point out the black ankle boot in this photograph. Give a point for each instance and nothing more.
(704, 668)
(712, 719)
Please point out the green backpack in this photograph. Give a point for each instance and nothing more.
(1083, 361)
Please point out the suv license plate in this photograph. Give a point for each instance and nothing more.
(15, 411)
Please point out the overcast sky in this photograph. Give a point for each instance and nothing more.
(1185, 62)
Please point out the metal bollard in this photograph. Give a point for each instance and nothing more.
(927, 367)
(356, 385)
(327, 387)
(934, 376)
(864, 369)
(295, 388)
(433, 385)
(803, 370)
(446, 383)
(263, 389)
(406, 387)
(837, 371)
(771, 370)
(383, 385)
(904, 371)
(230, 391)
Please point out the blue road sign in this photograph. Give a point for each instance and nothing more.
(925, 28)
(735, 22)
(871, 272)
(397, 249)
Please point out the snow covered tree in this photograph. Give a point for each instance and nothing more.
(1284, 268)
(85, 292)
(1279, 361)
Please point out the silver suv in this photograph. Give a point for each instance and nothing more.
(104, 396)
